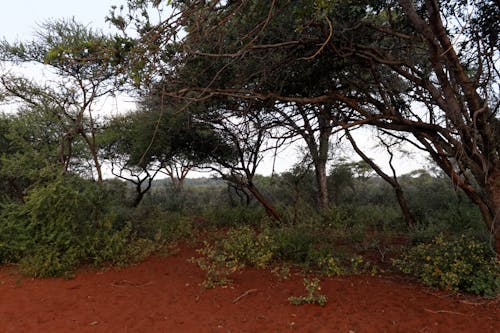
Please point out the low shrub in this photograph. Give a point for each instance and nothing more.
(239, 247)
(294, 243)
(457, 264)
(217, 265)
(248, 247)
(235, 216)
(323, 260)
(313, 294)
(62, 224)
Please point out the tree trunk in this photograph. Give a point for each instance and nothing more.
(138, 198)
(95, 158)
(321, 180)
(493, 220)
(270, 210)
(393, 181)
(410, 221)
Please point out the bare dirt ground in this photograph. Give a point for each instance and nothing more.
(163, 294)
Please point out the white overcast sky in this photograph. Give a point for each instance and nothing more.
(19, 20)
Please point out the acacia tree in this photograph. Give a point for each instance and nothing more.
(392, 180)
(445, 53)
(83, 64)
(117, 142)
(29, 141)
(314, 124)
(247, 130)
(425, 67)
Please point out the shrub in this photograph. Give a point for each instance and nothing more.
(239, 247)
(460, 264)
(235, 216)
(217, 265)
(246, 246)
(294, 243)
(323, 260)
(62, 224)
(313, 294)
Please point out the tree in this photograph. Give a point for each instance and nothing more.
(247, 129)
(84, 65)
(393, 181)
(427, 68)
(29, 150)
(445, 54)
(118, 145)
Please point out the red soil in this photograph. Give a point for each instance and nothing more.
(162, 294)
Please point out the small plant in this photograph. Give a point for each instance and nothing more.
(357, 264)
(244, 245)
(282, 272)
(322, 259)
(217, 265)
(313, 295)
(329, 266)
(461, 264)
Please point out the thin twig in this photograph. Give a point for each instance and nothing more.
(246, 293)
(126, 283)
(444, 311)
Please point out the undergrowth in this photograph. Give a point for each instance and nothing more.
(461, 264)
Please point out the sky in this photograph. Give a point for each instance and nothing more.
(19, 20)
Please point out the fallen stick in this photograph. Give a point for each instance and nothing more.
(444, 311)
(246, 293)
(125, 283)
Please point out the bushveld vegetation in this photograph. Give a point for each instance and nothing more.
(219, 85)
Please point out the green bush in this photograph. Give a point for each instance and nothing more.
(249, 247)
(162, 225)
(459, 264)
(294, 243)
(239, 247)
(217, 265)
(323, 260)
(235, 216)
(313, 294)
(62, 224)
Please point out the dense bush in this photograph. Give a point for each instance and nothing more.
(225, 216)
(62, 224)
(457, 264)
(249, 247)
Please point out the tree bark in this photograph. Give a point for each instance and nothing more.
(410, 221)
(321, 180)
(493, 220)
(270, 210)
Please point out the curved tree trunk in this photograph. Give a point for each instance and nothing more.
(393, 181)
(270, 210)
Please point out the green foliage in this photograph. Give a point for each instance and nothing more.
(294, 243)
(239, 247)
(323, 260)
(62, 224)
(217, 265)
(161, 225)
(309, 246)
(236, 216)
(246, 246)
(460, 264)
(313, 294)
